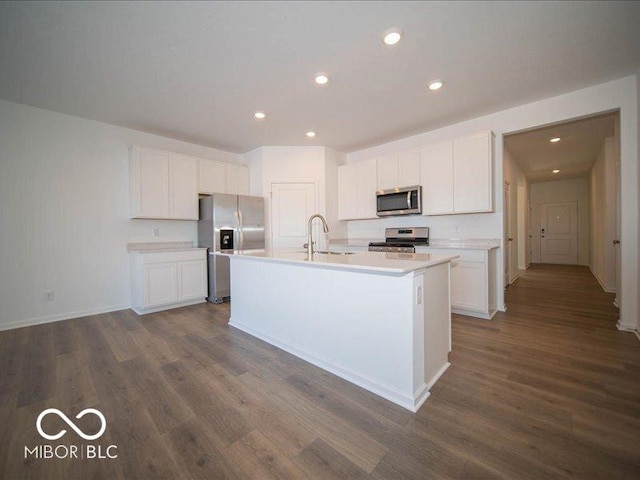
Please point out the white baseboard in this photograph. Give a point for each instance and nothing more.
(28, 322)
(602, 284)
(628, 328)
(144, 311)
(410, 402)
(471, 313)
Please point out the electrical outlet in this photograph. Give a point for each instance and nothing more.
(156, 232)
(457, 228)
(48, 296)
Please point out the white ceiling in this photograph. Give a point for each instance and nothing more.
(574, 155)
(197, 71)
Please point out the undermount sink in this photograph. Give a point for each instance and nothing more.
(327, 252)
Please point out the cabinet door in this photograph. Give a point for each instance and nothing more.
(367, 178)
(237, 179)
(409, 168)
(436, 178)
(212, 177)
(192, 280)
(469, 285)
(150, 188)
(388, 172)
(347, 192)
(159, 284)
(472, 173)
(183, 191)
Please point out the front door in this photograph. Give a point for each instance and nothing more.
(559, 233)
(291, 206)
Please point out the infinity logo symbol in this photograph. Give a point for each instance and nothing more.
(71, 424)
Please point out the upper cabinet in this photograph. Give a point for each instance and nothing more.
(436, 170)
(237, 179)
(456, 175)
(212, 176)
(220, 177)
(357, 186)
(472, 173)
(399, 170)
(163, 185)
(183, 187)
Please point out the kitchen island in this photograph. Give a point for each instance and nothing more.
(379, 320)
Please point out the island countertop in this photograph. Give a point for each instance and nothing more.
(372, 262)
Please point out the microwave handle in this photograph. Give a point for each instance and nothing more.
(409, 199)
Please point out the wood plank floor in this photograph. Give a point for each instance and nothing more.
(548, 390)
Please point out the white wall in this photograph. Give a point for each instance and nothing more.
(602, 232)
(64, 192)
(619, 94)
(573, 190)
(519, 228)
(333, 159)
(287, 165)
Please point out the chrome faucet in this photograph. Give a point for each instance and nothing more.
(325, 227)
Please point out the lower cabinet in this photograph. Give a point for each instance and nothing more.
(473, 276)
(163, 280)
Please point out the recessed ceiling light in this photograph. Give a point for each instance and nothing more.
(259, 115)
(555, 140)
(556, 171)
(310, 134)
(392, 36)
(435, 85)
(321, 78)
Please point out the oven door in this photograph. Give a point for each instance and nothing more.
(399, 201)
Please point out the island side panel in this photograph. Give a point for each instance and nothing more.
(357, 325)
(437, 322)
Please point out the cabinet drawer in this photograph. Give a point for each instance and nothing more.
(464, 255)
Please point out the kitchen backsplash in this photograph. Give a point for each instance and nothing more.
(445, 226)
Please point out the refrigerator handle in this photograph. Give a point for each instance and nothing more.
(240, 233)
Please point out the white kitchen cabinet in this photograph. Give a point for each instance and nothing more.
(167, 279)
(456, 175)
(472, 173)
(357, 185)
(387, 172)
(473, 277)
(399, 170)
(162, 185)
(237, 179)
(212, 176)
(183, 187)
(149, 183)
(436, 172)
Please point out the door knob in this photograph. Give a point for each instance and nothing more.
(616, 242)
(510, 239)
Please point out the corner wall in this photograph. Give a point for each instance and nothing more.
(64, 226)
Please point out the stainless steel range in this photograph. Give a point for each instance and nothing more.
(402, 240)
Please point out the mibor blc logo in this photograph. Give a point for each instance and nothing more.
(73, 451)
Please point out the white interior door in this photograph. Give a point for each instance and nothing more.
(291, 206)
(559, 233)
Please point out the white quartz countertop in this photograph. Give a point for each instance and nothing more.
(155, 247)
(466, 244)
(372, 262)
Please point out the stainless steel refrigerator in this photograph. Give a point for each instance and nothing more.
(227, 223)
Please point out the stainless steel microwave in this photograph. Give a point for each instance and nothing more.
(399, 201)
